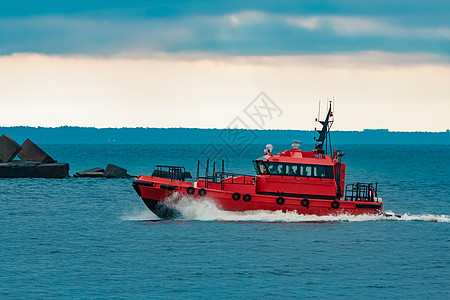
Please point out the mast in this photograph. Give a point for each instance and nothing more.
(324, 133)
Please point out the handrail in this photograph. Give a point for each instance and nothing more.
(361, 192)
(171, 172)
(219, 177)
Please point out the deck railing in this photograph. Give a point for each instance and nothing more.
(220, 177)
(171, 172)
(361, 192)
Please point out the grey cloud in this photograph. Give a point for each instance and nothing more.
(238, 33)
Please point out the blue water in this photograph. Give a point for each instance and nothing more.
(94, 238)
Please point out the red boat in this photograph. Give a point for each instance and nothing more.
(309, 183)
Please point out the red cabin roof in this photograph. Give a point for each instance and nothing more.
(299, 157)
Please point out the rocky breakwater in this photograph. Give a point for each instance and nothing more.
(34, 162)
(111, 171)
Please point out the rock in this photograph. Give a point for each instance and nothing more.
(31, 152)
(88, 174)
(52, 170)
(8, 148)
(27, 169)
(18, 169)
(113, 171)
(95, 172)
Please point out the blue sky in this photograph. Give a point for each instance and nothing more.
(227, 27)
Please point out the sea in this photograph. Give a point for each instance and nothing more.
(94, 238)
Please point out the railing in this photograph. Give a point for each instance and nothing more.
(171, 172)
(361, 192)
(220, 177)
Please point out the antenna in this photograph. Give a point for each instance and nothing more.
(198, 168)
(324, 140)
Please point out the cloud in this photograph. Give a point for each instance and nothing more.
(310, 23)
(247, 18)
(245, 32)
(53, 34)
(369, 27)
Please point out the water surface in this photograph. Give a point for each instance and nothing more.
(85, 238)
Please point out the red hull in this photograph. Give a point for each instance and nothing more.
(155, 191)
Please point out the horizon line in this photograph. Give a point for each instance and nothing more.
(215, 128)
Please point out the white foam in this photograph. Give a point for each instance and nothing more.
(205, 209)
(424, 217)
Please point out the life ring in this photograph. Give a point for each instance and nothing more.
(201, 192)
(280, 200)
(236, 196)
(335, 204)
(305, 202)
(247, 197)
(190, 190)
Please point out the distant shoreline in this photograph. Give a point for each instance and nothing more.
(92, 135)
(198, 128)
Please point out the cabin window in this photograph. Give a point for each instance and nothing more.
(262, 169)
(317, 171)
(276, 168)
(292, 170)
(301, 170)
(306, 171)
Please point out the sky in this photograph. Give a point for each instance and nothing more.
(210, 64)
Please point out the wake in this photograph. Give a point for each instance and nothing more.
(206, 210)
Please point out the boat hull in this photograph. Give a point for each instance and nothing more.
(159, 196)
(161, 210)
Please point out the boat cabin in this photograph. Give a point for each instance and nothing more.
(300, 174)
